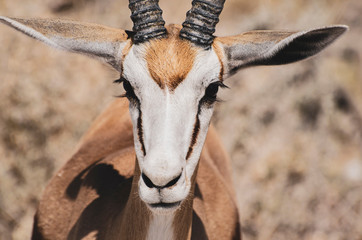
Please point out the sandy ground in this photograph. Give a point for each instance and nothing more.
(293, 132)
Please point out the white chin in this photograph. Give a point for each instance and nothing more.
(164, 208)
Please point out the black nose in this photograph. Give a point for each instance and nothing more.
(150, 184)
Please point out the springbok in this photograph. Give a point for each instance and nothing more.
(168, 176)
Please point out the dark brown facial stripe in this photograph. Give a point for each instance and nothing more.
(221, 74)
(140, 132)
(195, 133)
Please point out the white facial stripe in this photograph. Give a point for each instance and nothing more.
(172, 124)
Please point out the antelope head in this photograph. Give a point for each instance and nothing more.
(171, 75)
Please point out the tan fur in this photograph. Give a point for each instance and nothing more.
(72, 29)
(95, 195)
(184, 215)
(170, 59)
(220, 54)
(253, 37)
(248, 38)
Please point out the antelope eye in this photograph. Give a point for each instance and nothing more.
(210, 94)
(129, 90)
(211, 90)
(127, 86)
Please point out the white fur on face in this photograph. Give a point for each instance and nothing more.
(168, 119)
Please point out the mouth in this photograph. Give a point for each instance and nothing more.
(163, 205)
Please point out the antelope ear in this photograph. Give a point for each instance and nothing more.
(90, 39)
(274, 47)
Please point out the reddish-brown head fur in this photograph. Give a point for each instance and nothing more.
(170, 59)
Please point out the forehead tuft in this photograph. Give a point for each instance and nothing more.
(170, 59)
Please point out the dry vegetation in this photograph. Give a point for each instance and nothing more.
(294, 132)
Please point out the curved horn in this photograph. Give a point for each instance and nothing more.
(147, 20)
(201, 21)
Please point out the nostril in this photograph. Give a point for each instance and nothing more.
(150, 184)
(172, 182)
(148, 181)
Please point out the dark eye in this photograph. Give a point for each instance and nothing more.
(129, 90)
(211, 93)
(211, 90)
(127, 87)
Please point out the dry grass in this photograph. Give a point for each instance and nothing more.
(293, 132)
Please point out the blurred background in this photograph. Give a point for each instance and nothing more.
(294, 133)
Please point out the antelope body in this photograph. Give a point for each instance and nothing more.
(150, 167)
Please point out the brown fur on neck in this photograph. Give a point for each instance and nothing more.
(136, 212)
(184, 214)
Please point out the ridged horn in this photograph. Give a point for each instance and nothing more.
(200, 22)
(147, 20)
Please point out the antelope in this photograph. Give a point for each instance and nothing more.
(151, 166)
